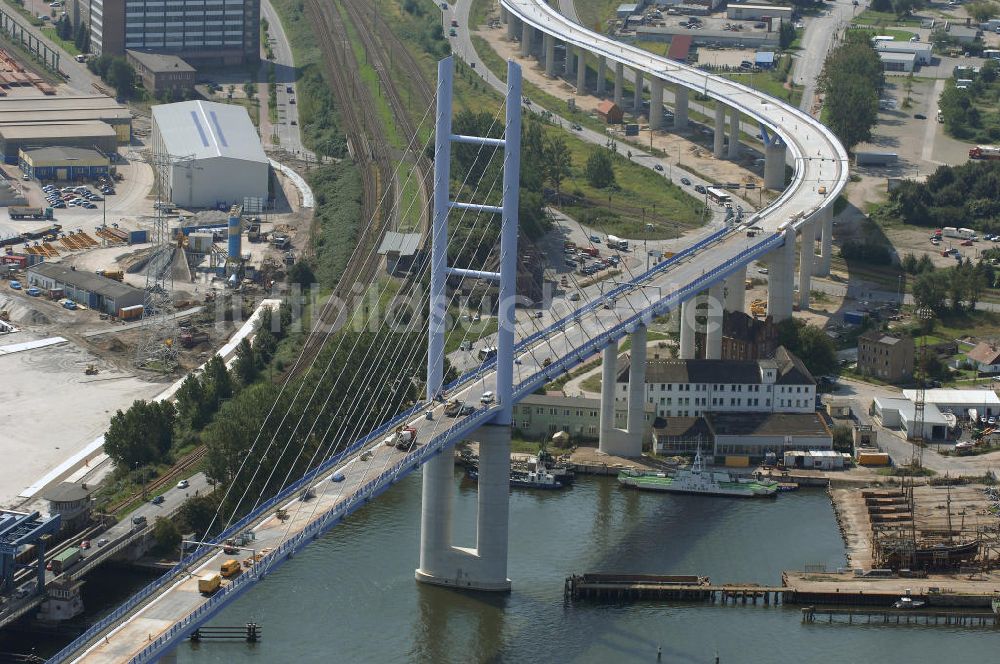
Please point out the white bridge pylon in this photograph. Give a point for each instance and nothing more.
(485, 566)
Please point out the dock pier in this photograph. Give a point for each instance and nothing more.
(627, 587)
(900, 616)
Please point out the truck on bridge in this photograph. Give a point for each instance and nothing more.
(987, 152)
(65, 559)
(402, 438)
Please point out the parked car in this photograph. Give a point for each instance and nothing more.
(685, 181)
(919, 116)
(658, 167)
(157, 501)
(700, 189)
(183, 484)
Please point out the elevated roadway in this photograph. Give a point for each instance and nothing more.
(157, 618)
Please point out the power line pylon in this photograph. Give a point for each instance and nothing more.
(156, 349)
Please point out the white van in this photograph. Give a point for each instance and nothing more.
(487, 397)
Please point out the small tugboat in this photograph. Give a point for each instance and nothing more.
(906, 602)
(697, 480)
(535, 479)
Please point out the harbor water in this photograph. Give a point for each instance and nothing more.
(351, 596)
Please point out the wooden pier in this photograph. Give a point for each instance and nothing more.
(900, 616)
(624, 587)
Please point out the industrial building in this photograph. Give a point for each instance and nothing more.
(69, 109)
(745, 337)
(892, 61)
(219, 160)
(538, 416)
(162, 72)
(206, 32)
(960, 402)
(401, 251)
(87, 288)
(895, 413)
(609, 112)
(920, 50)
(14, 138)
(690, 388)
(758, 12)
(64, 164)
(744, 38)
(888, 357)
(742, 437)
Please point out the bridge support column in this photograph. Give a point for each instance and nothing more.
(774, 166)
(822, 267)
(637, 97)
(680, 108)
(602, 74)
(526, 33)
(581, 72)
(609, 371)
(632, 442)
(655, 103)
(568, 63)
(736, 290)
(807, 252)
(494, 509)
(734, 133)
(781, 279)
(687, 344)
(619, 83)
(513, 27)
(718, 149)
(550, 55)
(435, 517)
(713, 323)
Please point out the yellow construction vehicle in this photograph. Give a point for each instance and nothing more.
(117, 275)
(758, 308)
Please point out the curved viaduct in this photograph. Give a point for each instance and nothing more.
(819, 161)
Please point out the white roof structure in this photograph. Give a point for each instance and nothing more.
(953, 397)
(206, 129)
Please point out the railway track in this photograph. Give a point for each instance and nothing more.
(366, 141)
(185, 463)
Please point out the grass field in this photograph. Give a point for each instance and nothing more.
(880, 19)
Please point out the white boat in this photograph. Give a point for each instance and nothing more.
(697, 480)
(908, 602)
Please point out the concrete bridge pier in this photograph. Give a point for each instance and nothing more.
(807, 252)
(624, 442)
(602, 74)
(781, 279)
(526, 34)
(736, 290)
(581, 72)
(513, 28)
(822, 266)
(774, 165)
(568, 64)
(713, 322)
(680, 108)
(655, 104)
(637, 99)
(687, 347)
(550, 55)
(619, 83)
(734, 133)
(718, 149)
(485, 566)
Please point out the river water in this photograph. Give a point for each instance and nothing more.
(351, 596)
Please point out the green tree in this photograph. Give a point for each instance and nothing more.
(884, 6)
(810, 344)
(141, 435)
(910, 264)
(786, 34)
(166, 534)
(600, 172)
(265, 342)
(218, 383)
(122, 77)
(930, 291)
(906, 7)
(558, 162)
(246, 365)
(197, 512)
(982, 11)
(192, 407)
(843, 438)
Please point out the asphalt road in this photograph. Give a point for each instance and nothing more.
(285, 75)
(820, 33)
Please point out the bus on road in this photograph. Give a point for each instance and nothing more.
(718, 196)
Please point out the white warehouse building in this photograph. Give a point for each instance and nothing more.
(216, 154)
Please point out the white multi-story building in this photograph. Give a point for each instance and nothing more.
(691, 388)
